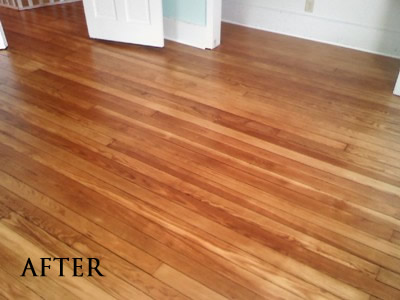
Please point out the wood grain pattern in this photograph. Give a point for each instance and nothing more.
(266, 169)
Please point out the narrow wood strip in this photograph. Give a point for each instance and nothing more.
(25, 116)
(124, 269)
(184, 284)
(189, 90)
(96, 214)
(326, 250)
(370, 192)
(387, 158)
(110, 284)
(206, 149)
(12, 288)
(238, 238)
(22, 249)
(251, 140)
(201, 63)
(396, 237)
(47, 288)
(116, 264)
(389, 278)
(84, 130)
(148, 283)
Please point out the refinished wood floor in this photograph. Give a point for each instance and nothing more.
(266, 169)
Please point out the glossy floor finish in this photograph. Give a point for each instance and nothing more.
(266, 169)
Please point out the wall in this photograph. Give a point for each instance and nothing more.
(189, 11)
(368, 25)
(193, 22)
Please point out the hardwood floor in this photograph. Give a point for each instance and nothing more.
(266, 169)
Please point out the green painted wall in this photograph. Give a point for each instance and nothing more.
(190, 11)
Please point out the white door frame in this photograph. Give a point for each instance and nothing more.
(3, 41)
(203, 37)
(214, 19)
(397, 87)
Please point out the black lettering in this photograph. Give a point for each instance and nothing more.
(76, 267)
(95, 267)
(61, 259)
(29, 266)
(45, 266)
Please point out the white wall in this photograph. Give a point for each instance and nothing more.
(193, 11)
(369, 25)
(183, 22)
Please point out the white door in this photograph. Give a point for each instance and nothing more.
(3, 41)
(128, 21)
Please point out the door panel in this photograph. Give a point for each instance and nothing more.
(138, 11)
(129, 21)
(105, 9)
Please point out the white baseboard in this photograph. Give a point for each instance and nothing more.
(397, 87)
(185, 33)
(257, 15)
(3, 41)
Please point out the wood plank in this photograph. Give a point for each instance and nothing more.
(22, 248)
(197, 137)
(325, 248)
(266, 288)
(114, 263)
(188, 90)
(396, 237)
(318, 164)
(11, 288)
(389, 278)
(122, 268)
(127, 137)
(184, 284)
(112, 285)
(159, 218)
(152, 287)
(113, 133)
